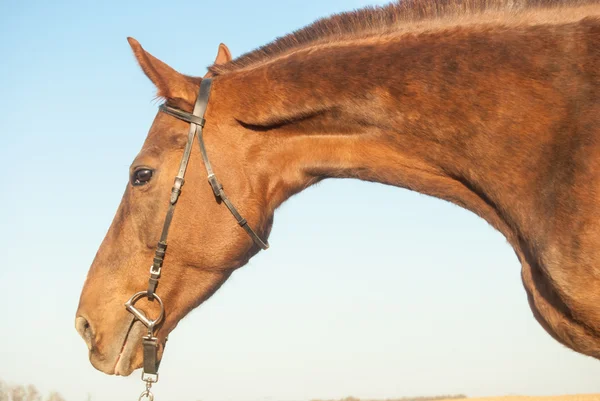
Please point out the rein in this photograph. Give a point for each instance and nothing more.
(197, 121)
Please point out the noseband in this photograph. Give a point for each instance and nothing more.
(197, 121)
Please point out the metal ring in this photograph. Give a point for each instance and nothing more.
(146, 394)
(150, 324)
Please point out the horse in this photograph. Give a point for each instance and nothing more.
(493, 105)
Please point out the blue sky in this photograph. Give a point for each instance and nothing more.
(367, 290)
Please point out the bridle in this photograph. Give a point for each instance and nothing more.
(197, 121)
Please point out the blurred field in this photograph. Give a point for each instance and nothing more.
(574, 397)
(570, 397)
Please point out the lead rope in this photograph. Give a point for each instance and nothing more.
(150, 341)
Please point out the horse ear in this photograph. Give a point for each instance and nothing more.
(169, 83)
(223, 57)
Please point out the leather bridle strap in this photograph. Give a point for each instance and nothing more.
(150, 342)
(197, 120)
(161, 248)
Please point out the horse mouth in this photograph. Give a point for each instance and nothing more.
(124, 364)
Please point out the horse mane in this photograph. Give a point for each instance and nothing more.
(378, 20)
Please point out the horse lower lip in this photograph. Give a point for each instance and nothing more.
(123, 363)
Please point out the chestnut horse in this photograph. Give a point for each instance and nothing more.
(493, 105)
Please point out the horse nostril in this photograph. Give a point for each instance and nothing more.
(85, 331)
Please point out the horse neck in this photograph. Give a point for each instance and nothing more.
(502, 121)
(466, 115)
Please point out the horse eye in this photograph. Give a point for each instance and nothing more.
(141, 176)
